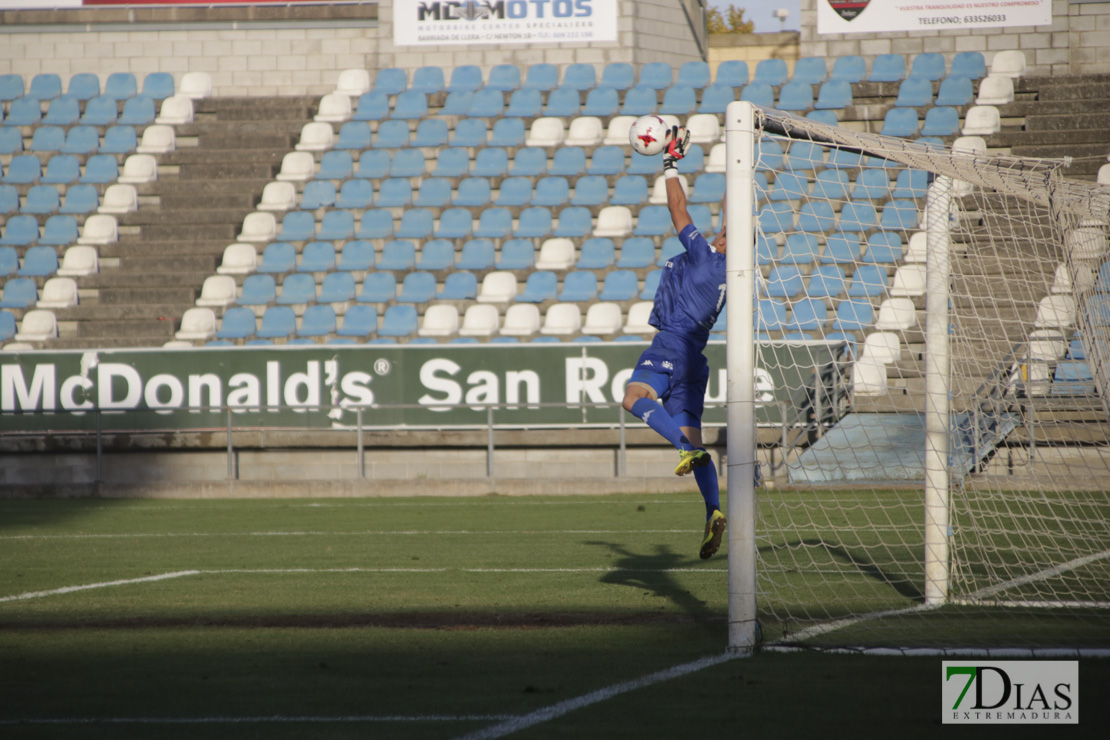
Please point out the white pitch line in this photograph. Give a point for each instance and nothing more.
(277, 718)
(104, 584)
(361, 533)
(554, 711)
(1039, 576)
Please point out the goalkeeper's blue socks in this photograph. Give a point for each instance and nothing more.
(655, 416)
(706, 477)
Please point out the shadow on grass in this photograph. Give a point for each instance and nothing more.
(898, 581)
(653, 572)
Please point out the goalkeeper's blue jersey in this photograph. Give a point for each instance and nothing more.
(691, 290)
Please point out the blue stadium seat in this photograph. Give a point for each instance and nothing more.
(811, 70)
(238, 322)
(929, 65)
(258, 290)
(900, 122)
(41, 199)
(801, 249)
(317, 194)
(638, 164)
(842, 248)
(732, 72)
(715, 98)
(410, 105)
(278, 257)
(769, 155)
(359, 321)
(63, 111)
(24, 112)
(542, 77)
(465, 78)
(437, 254)
(83, 140)
(597, 253)
(770, 315)
(399, 321)
(24, 169)
(371, 106)
(11, 141)
(378, 287)
(487, 103)
(790, 186)
(941, 121)
(428, 80)
(517, 254)
(578, 76)
(335, 165)
(278, 322)
(795, 96)
(318, 321)
(574, 222)
(969, 64)
(579, 286)
(693, 74)
(356, 256)
(297, 226)
(100, 169)
(1072, 377)
(529, 162)
(911, 184)
(476, 254)
(457, 103)
(629, 190)
(651, 284)
(490, 163)
(636, 252)
(601, 102)
(354, 135)
(884, 247)
(417, 287)
(504, 77)
(771, 72)
(542, 285)
(914, 92)
(459, 286)
(656, 75)
(871, 185)
(807, 314)
(514, 191)
(679, 101)
(653, 221)
(431, 133)
(846, 159)
(534, 223)
(955, 91)
(827, 117)
(416, 223)
(888, 68)
(11, 87)
(563, 102)
(390, 80)
(834, 94)
(355, 195)
(804, 156)
(857, 216)
(392, 135)
(158, 85)
(525, 103)
(9, 200)
(138, 111)
(759, 93)
(552, 192)
(853, 314)
(84, 86)
(455, 223)
(399, 255)
(20, 231)
(607, 160)
(394, 192)
(868, 281)
(472, 192)
(80, 199)
(826, 281)
(568, 161)
(784, 281)
(507, 132)
(121, 86)
(19, 293)
(297, 289)
(900, 215)
(702, 218)
(100, 111)
(470, 132)
(59, 230)
(39, 262)
(48, 139)
(317, 257)
(618, 76)
(337, 226)
(776, 218)
(119, 140)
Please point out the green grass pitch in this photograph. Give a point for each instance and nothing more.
(429, 618)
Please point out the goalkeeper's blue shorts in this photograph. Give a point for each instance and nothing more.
(675, 368)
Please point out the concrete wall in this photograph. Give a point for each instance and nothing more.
(1077, 42)
(753, 47)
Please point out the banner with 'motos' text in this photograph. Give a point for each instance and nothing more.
(439, 22)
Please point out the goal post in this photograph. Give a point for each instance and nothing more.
(962, 459)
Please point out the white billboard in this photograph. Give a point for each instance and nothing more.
(439, 22)
(879, 16)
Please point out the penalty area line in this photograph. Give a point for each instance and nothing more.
(274, 719)
(103, 584)
(546, 714)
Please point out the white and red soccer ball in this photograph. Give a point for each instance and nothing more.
(649, 135)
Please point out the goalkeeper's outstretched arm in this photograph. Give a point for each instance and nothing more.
(676, 196)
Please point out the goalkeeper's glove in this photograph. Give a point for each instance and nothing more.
(676, 149)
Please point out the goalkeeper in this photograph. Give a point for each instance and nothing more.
(673, 370)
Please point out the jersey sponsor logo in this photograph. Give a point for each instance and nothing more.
(848, 9)
(668, 365)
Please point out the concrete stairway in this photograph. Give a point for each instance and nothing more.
(196, 208)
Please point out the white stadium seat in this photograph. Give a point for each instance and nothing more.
(440, 320)
(659, 190)
(614, 221)
(555, 254)
(1055, 312)
(995, 90)
(239, 259)
(638, 316)
(1063, 284)
(177, 344)
(79, 261)
(119, 198)
(259, 227)
(99, 228)
(195, 85)
(917, 249)
(562, 319)
(546, 132)
(1046, 345)
(896, 314)
(316, 137)
(157, 139)
(334, 108)
(37, 326)
(868, 377)
(585, 131)
(603, 318)
(617, 133)
(139, 168)
(882, 346)
(521, 319)
(480, 320)
(197, 324)
(175, 110)
(353, 82)
(909, 280)
(278, 196)
(297, 167)
(1086, 242)
(1010, 63)
(218, 291)
(717, 159)
(58, 292)
(704, 128)
(981, 120)
(497, 287)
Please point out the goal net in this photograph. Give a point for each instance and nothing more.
(958, 497)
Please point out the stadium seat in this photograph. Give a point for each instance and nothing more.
(9, 199)
(46, 86)
(278, 257)
(826, 281)
(941, 121)
(504, 77)
(914, 92)
(258, 290)
(801, 249)
(525, 103)
(118, 198)
(41, 199)
(457, 103)
(579, 286)
(359, 321)
(197, 324)
(954, 91)
(563, 102)
(888, 68)
(995, 90)
(440, 321)
(603, 318)
(455, 223)
(899, 215)
(929, 65)
(795, 96)
(317, 257)
(853, 314)
(417, 287)
(514, 192)
(896, 314)
(715, 99)
(398, 255)
(868, 280)
(25, 111)
(63, 111)
(770, 315)
(534, 223)
(619, 285)
(278, 322)
(61, 230)
(11, 87)
(555, 254)
(562, 319)
(807, 314)
(546, 132)
(20, 231)
(23, 169)
(218, 291)
(884, 247)
(378, 287)
(48, 139)
(551, 192)
(157, 139)
(469, 132)
(103, 111)
(758, 93)
(784, 281)
(968, 64)
(789, 186)
(476, 254)
(1053, 312)
(158, 85)
(771, 72)
(19, 293)
(375, 224)
(900, 122)
(517, 254)
(909, 280)
(238, 259)
(857, 216)
(371, 106)
(601, 103)
(437, 254)
(629, 190)
(356, 256)
(507, 132)
(458, 286)
(497, 287)
(1009, 63)
(810, 70)
(11, 141)
(981, 120)
(238, 322)
(871, 185)
(297, 289)
(399, 321)
(410, 105)
(834, 94)
(39, 261)
(487, 103)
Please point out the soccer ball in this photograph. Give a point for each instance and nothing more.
(649, 135)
